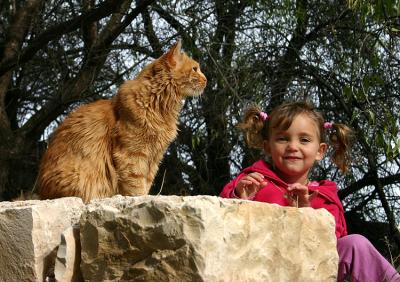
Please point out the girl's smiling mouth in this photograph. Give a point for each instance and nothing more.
(290, 158)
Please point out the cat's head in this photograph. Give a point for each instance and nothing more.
(185, 71)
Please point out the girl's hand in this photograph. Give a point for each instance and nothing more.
(298, 195)
(249, 185)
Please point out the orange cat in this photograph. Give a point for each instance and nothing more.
(111, 147)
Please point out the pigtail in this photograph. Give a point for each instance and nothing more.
(341, 139)
(252, 127)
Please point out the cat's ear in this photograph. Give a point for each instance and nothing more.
(174, 55)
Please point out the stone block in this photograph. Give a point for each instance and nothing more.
(30, 232)
(205, 238)
(67, 266)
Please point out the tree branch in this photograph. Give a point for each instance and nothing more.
(151, 35)
(367, 180)
(103, 10)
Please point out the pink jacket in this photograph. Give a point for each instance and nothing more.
(275, 190)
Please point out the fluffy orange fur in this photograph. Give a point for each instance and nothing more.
(111, 147)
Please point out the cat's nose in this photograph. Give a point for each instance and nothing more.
(205, 79)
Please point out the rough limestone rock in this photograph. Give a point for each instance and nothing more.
(67, 266)
(204, 238)
(30, 232)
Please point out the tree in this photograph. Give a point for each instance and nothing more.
(343, 56)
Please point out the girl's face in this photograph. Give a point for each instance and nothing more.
(294, 151)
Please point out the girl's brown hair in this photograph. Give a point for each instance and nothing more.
(256, 130)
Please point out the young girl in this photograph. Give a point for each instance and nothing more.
(293, 136)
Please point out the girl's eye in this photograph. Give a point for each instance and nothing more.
(305, 140)
(195, 69)
(281, 138)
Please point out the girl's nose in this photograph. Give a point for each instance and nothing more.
(292, 146)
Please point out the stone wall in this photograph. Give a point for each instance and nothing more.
(165, 238)
(30, 234)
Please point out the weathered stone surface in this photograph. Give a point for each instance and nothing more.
(67, 266)
(30, 232)
(203, 238)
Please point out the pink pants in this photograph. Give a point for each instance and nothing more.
(361, 262)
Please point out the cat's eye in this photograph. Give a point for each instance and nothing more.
(195, 69)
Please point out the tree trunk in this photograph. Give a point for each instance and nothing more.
(6, 137)
(286, 67)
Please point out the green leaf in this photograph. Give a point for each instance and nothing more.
(371, 117)
(380, 140)
(348, 93)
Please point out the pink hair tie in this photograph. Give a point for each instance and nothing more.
(263, 116)
(328, 125)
